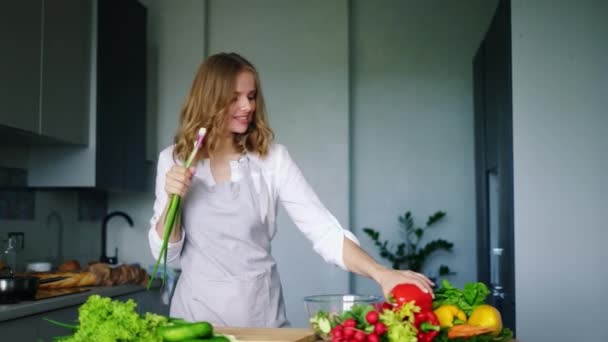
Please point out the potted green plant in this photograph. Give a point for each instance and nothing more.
(411, 254)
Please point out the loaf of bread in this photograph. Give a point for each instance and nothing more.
(74, 279)
(96, 274)
(125, 274)
(120, 275)
(101, 271)
(69, 266)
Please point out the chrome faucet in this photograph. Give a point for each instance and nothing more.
(104, 230)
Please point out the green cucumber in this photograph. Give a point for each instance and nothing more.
(218, 338)
(178, 321)
(181, 332)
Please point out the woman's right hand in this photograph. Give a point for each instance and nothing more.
(178, 180)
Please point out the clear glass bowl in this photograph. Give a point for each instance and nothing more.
(335, 304)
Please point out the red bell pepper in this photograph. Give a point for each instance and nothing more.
(404, 293)
(427, 324)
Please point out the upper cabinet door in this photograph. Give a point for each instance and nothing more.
(121, 95)
(66, 70)
(20, 38)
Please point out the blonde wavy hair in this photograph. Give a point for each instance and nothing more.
(207, 103)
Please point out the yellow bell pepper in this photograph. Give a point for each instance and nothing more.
(486, 316)
(450, 314)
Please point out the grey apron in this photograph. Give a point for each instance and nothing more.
(229, 277)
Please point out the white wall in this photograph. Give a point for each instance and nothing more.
(413, 122)
(560, 88)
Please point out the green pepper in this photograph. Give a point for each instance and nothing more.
(185, 331)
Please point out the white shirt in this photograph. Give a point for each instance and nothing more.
(276, 178)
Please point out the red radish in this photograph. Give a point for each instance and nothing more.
(350, 323)
(371, 317)
(387, 306)
(379, 328)
(373, 338)
(359, 336)
(349, 332)
(338, 328)
(337, 333)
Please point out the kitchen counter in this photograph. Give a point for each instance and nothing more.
(25, 321)
(269, 334)
(28, 308)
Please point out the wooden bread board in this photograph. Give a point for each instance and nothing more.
(269, 334)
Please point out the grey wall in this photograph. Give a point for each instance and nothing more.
(80, 238)
(560, 88)
(180, 31)
(412, 137)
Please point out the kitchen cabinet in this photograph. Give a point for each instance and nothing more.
(115, 158)
(66, 50)
(121, 95)
(45, 70)
(20, 37)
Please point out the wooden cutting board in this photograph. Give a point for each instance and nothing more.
(269, 334)
(49, 293)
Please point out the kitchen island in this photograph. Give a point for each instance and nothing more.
(24, 321)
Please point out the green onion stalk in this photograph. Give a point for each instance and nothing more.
(172, 213)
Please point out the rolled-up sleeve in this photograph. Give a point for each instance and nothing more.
(308, 213)
(165, 161)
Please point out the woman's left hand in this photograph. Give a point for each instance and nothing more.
(389, 278)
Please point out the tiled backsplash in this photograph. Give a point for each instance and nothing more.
(39, 214)
(17, 204)
(92, 205)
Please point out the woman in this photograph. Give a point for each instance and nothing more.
(230, 199)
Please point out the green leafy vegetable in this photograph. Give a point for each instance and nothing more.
(467, 300)
(61, 324)
(321, 323)
(104, 320)
(400, 323)
(357, 312)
